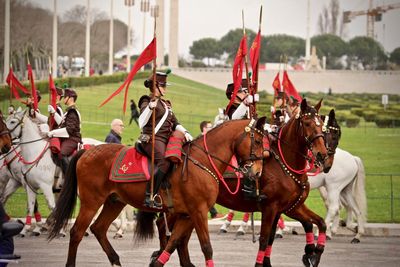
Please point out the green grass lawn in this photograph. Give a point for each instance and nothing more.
(194, 102)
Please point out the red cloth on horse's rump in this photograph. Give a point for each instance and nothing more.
(230, 172)
(129, 166)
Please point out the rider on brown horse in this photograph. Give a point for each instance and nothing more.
(165, 124)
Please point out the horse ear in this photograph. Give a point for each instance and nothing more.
(332, 115)
(303, 105)
(318, 105)
(260, 123)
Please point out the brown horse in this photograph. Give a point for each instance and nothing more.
(193, 187)
(282, 183)
(5, 137)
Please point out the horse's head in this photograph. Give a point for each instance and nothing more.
(332, 132)
(311, 125)
(5, 137)
(15, 124)
(249, 148)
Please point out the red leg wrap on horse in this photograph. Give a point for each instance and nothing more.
(164, 257)
(28, 220)
(321, 239)
(260, 256)
(309, 238)
(268, 251)
(38, 217)
(210, 263)
(281, 223)
(246, 217)
(230, 216)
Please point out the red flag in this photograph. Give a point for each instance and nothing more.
(53, 92)
(276, 84)
(15, 84)
(33, 89)
(255, 57)
(237, 72)
(148, 54)
(289, 88)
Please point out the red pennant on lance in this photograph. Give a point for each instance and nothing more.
(255, 56)
(33, 89)
(148, 54)
(15, 84)
(290, 90)
(237, 72)
(53, 92)
(276, 84)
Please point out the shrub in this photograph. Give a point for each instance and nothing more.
(357, 111)
(369, 115)
(385, 121)
(352, 121)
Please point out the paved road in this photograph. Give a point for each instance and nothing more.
(372, 252)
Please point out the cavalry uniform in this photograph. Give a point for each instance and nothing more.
(165, 124)
(239, 109)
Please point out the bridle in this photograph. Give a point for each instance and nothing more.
(244, 164)
(328, 129)
(4, 132)
(309, 140)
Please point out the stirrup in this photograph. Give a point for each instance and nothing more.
(152, 203)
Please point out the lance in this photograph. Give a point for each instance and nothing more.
(250, 86)
(283, 89)
(274, 97)
(153, 120)
(11, 80)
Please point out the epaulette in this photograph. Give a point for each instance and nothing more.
(143, 98)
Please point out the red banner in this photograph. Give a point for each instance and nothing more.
(276, 84)
(255, 57)
(237, 72)
(33, 89)
(148, 54)
(289, 88)
(15, 85)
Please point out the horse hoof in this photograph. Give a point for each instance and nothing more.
(294, 232)
(222, 231)
(309, 260)
(86, 233)
(278, 236)
(21, 235)
(355, 241)
(35, 234)
(238, 233)
(342, 223)
(118, 236)
(328, 237)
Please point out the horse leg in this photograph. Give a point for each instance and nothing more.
(183, 226)
(87, 211)
(269, 220)
(110, 211)
(268, 250)
(183, 249)
(32, 203)
(352, 207)
(307, 218)
(227, 223)
(333, 210)
(243, 225)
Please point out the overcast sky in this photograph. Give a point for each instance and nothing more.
(214, 18)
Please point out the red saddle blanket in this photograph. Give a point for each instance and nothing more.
(129, 166)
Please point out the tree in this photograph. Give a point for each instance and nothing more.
(368, 51)
(395, 56)
(229, 43)
(205, 48)
(78, 14)
(330, 46)
(282, 44)
(330, 20)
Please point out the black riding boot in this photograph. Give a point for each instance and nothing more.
(158, 178)
(64, 164)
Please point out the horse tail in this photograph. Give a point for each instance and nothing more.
(359, 189)
(67, 199)
(144, 226)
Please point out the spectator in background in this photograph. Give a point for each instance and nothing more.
(134, 113)
(8, 229)
(205, 126)
(114, 136)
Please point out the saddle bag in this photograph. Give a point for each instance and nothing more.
(55, 145)
(173, 152)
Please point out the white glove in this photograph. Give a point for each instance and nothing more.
(256, 98)
(153, 104)
(248, 100)
(50, 134)
(50, 109)
(188, 137)
(272, 109)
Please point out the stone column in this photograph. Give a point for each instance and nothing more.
(173, 34)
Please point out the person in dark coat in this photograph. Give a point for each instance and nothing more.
(114, 136)
(8, 229)
(134, 113)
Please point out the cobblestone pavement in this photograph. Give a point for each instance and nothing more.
(372, 252)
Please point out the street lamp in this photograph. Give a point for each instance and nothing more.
(129, 4)
(144, 7)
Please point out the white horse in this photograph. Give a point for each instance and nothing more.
(34, 168)
(345, 181)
